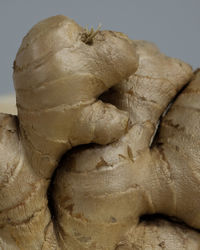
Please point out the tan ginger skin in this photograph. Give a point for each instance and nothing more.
(121, 171)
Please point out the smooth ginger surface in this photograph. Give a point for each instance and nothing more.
(83, 159)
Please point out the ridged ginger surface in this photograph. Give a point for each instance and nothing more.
(106, 132)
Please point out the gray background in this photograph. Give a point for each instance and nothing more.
(174, 25)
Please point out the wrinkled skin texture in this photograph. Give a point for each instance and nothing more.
(100, 199)
(58, 79)
(160, 234)
(100, 190)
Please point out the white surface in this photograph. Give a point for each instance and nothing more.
(8, 104)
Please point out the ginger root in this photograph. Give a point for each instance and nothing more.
(160, 234)
(99, 193)
(83, 160)
(58, 79)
